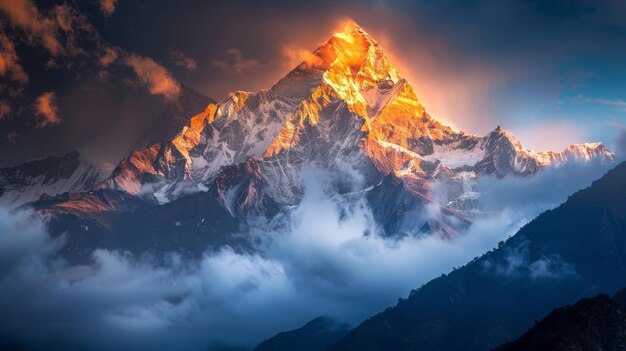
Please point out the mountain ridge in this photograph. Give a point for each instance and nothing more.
(51, 176)
(349, 106)
(597, 323)
(396, 132)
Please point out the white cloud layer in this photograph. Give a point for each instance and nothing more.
(323, 258)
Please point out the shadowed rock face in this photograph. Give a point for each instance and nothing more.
(173, 118)
(620, 297)
(50, 176)
(597, 323)
(573, 251)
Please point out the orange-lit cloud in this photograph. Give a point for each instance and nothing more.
(71, 22)
(9, 62)
(108, 56)
(24, 14)
(233, 59)
(57, 31)
(108, 7)
(5, 109)
(182, 60)
(295, 56)
(47, 110)
(158, 79)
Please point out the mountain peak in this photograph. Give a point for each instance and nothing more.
(352, 32)
(349, 61)
(354, 48)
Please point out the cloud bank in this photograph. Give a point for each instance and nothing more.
(325, 257)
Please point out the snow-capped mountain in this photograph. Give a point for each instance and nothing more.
(48, 177)
(348, 110)
(348, 102)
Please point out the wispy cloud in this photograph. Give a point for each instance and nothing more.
(59, 30)
(618, 104)
(182, 60)
(9, 61)
(5, 109)
(517, 263)
(325, 256)
(47, 110)
(25, 15)
(151, 74)
(233, 59)
(295, 56)
(108, 7)
(108, 56)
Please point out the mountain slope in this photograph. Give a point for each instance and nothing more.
(573, 251)
(597, 323)
(51, 176)
(317, 334)
(348, 101)
(348, 111)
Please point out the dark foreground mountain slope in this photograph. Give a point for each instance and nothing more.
(574, 251)
(105, 219)
(592, 324)
(317, 334)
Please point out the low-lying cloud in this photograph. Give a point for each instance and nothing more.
(516, 263)
(325, 257)
(541, 192)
